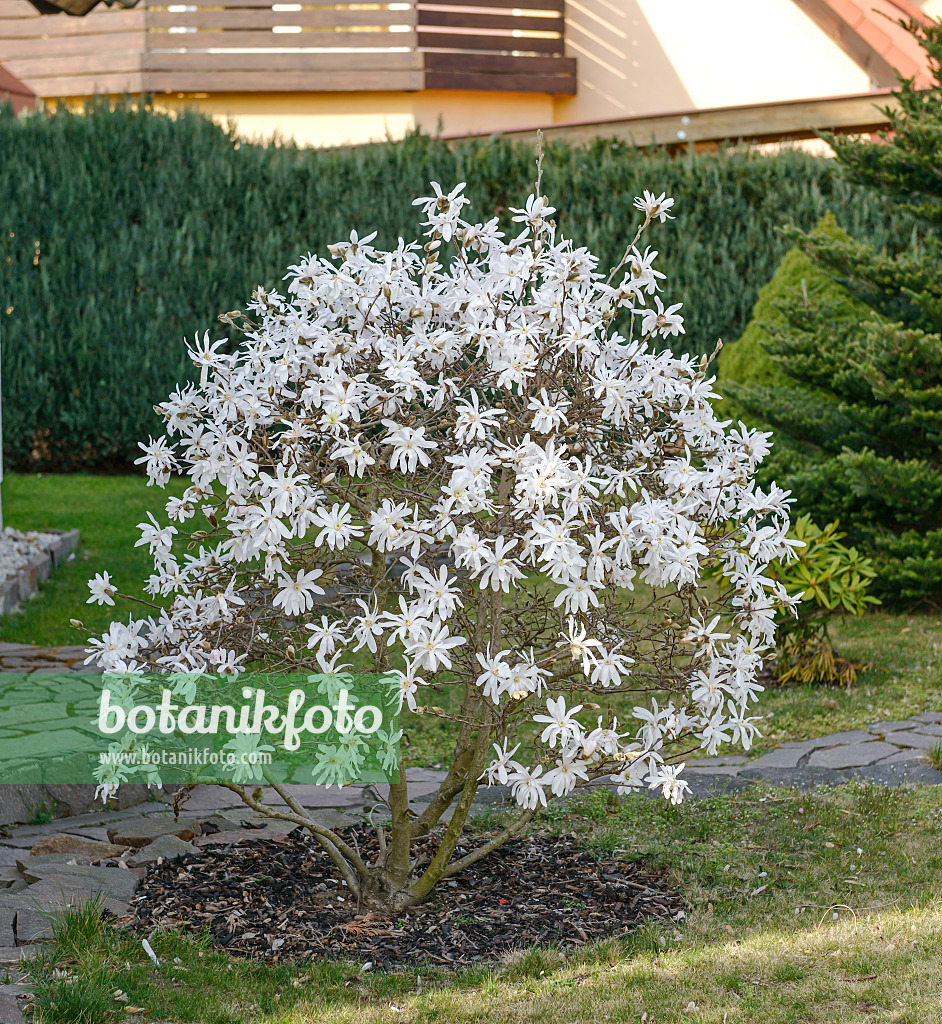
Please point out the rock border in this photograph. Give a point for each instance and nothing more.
(25, 581)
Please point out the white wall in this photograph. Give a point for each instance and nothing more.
(732, 52)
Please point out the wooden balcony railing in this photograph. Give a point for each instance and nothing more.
(312, 46)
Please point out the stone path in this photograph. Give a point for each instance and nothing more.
(27, 658)
(107, 852)
(888, 753)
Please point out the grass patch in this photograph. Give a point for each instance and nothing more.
(819, 907)
(106, 511)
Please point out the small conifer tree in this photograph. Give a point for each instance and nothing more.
(858, 397)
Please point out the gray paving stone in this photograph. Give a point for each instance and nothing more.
(55, 894)
(934, 717)
(879, 728)
(851, 755)
(33, 924)
(117, 883)
(914, 740)
(49, 859)
(10, 1012)
(12, 955)
(210, 798)
(7, 922)
(703, 787)
(929, 729)
(8, 857)
(166, 847)
(228, 837)
(727, 770)
(840, 738)
(319, 796)
(798, 778)
(902, 757)
(781, 757)
(137, 833)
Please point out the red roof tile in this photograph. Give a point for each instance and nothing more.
(870, 33)
(13, 89)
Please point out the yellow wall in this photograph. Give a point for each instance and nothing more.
(330, 119)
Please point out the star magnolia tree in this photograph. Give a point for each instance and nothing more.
(523, 502)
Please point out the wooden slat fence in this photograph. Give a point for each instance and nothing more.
(311, 46)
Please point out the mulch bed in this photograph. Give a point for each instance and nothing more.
(279, 898)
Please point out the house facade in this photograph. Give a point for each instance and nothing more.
(337, 72)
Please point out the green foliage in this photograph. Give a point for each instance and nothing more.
(857, 409)
(746, 361)
(122, 231)
(829, 578)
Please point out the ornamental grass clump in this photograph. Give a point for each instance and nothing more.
(461, 474)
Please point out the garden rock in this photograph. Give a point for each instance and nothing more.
(57, 893)
(117, 883)
(143, 831)
(64, 843)
(164, 847)
(47, 860)
(10, 1012)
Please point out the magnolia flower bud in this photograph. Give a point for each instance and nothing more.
(76, 623)
(290, 651)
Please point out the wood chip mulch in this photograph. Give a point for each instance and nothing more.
(279, 898)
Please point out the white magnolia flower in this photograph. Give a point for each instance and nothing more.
(102, 589)
(297, 595)
(561, 725)
(655, 206)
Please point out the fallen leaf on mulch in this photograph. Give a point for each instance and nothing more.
(276, 900)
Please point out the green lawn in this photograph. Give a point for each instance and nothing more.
(106, 511)
(818, 908)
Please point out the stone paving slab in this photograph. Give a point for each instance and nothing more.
(851, 755)
(10, 1012)
(783, 757)
(7, 923)
(913, 740)
(722, 760)
(10, 956)
(66, 843)
(138, 833)
(164, 848)
(117, 883)
(903, 757)
(892, 726)
(897, 774)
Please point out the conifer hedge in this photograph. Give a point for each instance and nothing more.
(122, 231)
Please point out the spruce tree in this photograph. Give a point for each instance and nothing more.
(859, 396)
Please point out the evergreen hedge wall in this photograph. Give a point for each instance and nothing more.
(123, 231)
